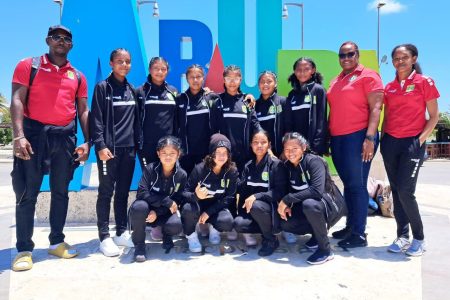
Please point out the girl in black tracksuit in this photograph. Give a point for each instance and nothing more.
(272, 111)
(239, 120)
(158, 197)
(314, 204)
(198, 118)
(308, 103)
(114, 128)
(157, 109)
(263, 183)
(210, 189)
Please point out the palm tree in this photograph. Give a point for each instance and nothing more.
(4, 108)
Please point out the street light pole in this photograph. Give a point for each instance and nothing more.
(155, 6)
(60, 3)
(380, 5)
(285, 14)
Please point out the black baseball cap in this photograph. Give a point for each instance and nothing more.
(54, 28)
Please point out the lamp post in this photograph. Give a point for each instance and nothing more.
(155, 6)
(60, 3)
(380, 5)
(285, 14)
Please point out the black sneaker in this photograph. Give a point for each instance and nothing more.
(311, 244)
(268, 247)
(320, 256)
(342, 234)
(167, 242)
(354, 241)
(140, 253)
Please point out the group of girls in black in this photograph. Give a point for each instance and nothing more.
(211, 161)
(222, 162)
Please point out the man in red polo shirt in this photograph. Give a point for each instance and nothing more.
(47, 94)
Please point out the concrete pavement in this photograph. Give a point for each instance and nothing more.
(368, 273)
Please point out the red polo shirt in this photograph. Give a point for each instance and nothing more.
(51, 97)
(347, 97)
(406, 106)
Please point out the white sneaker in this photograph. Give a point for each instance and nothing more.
(214, 235)
(232, 235)
(290, 237)
(124, 240)
(194, 244)
(398, 245)
(249, 239)
(156, 233)
(109, 248)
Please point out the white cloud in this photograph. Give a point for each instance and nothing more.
(390, 7)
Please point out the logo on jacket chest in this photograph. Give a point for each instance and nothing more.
(272, 110)
(265, 176)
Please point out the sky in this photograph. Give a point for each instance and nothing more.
(327, 24)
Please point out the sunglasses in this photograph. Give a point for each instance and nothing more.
(232, 79)
(347, 55)
(57, 38)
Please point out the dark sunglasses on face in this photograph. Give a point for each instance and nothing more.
(57, 38)
(347, 55)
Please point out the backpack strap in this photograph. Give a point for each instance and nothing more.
(35, 64)
(78, 74)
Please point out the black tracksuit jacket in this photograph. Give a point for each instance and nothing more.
(157, 111)
(274, 116)
(198, 118)
(222, 187)
(238, 124)
(311, 180)
(101, 118)
(268, 181)
(308, 104)
(159, 191)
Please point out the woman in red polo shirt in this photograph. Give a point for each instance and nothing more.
(355, 97)
(403, 145)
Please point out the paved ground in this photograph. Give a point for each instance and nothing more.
(369, 273)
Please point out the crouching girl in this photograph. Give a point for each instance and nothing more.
(158, 197)
(263, 183)
(314, 203)
(210, 190)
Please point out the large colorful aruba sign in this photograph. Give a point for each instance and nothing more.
(220, 39)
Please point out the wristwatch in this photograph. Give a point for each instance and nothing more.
(370, 138)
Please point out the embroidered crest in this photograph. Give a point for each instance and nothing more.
(353, 78)
(222, 183)
(265, 176)
(307, 98)
(410, 88)
(244, 109)
(279, 108)
(170, 97)
(272, 110)
(70, 75)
